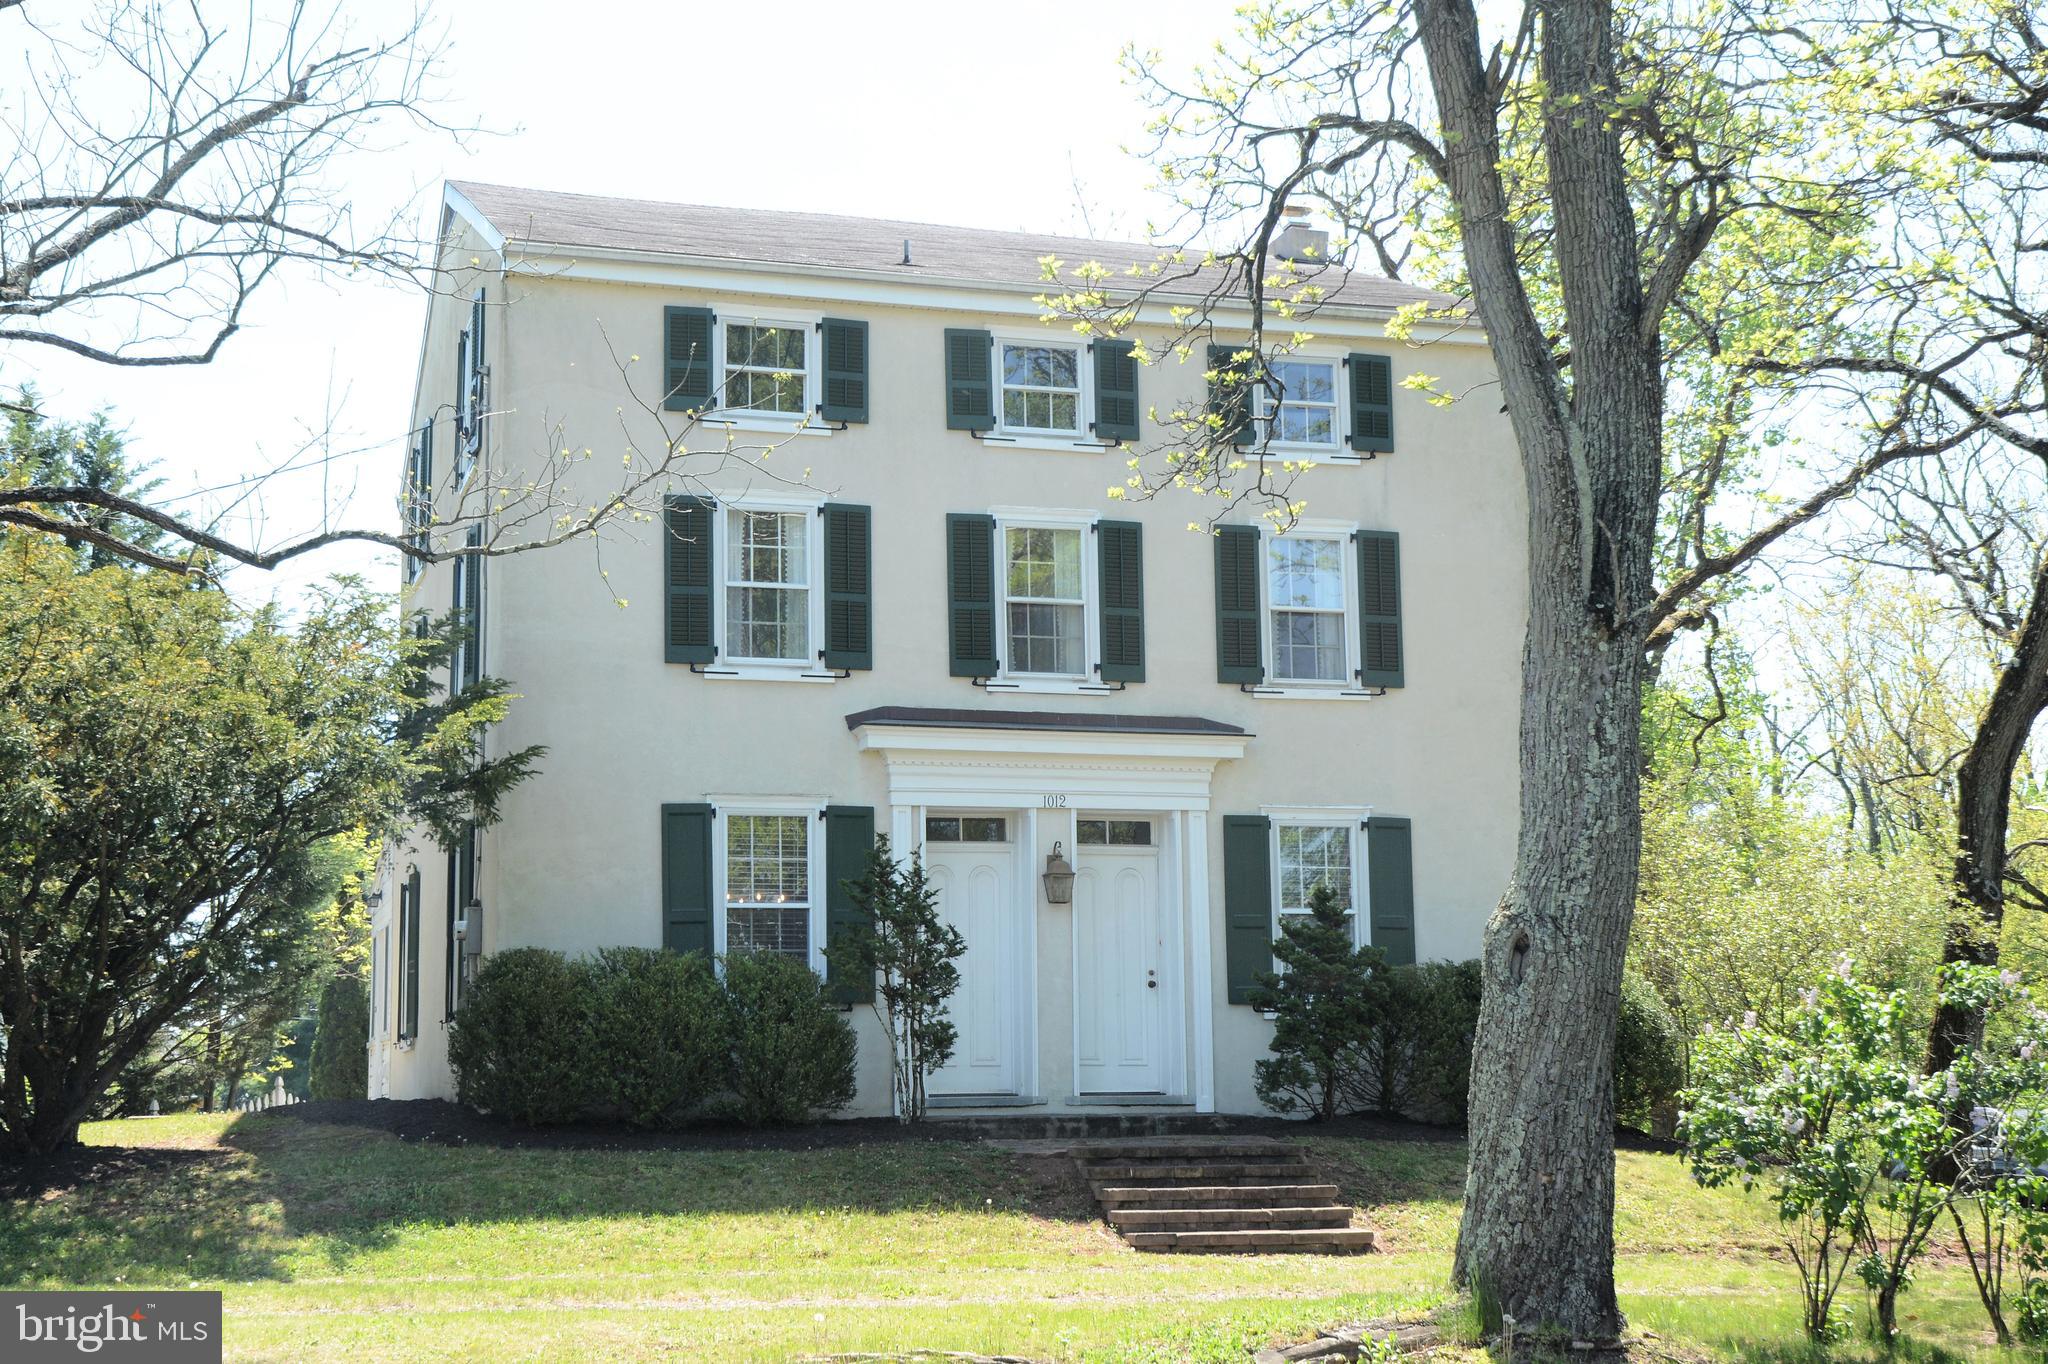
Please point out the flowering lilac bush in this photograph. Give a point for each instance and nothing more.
(1830, 1113)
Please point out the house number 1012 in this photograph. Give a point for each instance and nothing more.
(1054, 802)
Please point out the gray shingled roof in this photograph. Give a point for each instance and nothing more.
(823, 239)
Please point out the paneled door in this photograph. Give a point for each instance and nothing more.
(976, 880)
(1120, 961)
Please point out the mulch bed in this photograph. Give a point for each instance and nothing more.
(449, 1124)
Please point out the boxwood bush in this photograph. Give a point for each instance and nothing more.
(522, 1045)
(651, 1038)
(660, 1025)
(792, 1053)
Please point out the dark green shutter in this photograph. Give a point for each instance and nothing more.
(1372, 402)
(1116, 391)
(1237, 605)
(849, 835)
(409, 951)
(1390, 881)
(971, 595)
(849, 588)
(970, 387)
(476, 332)
(686, 878)
(1120, 552)
(473, 609)
(461, 422)
(845, 370)
(1379, 608)
(686, 358)
(687, 537)
(1230, 394)
(1247, 902)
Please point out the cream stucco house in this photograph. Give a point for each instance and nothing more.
(894, 596)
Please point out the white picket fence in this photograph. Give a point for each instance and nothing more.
(274, 1097)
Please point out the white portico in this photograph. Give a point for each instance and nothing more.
(1101, 1002)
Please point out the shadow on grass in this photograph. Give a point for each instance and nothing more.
(285, 1187)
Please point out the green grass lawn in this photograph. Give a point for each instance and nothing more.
(333, 1243)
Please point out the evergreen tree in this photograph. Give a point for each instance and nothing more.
(911, 951)
(1325, 1002)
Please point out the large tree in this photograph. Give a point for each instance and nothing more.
(170, 765)
(1633, 200)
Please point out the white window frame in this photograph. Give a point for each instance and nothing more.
(1345, 533)
(805, 422)
(1339, 449)
(812, 810)
(1088, 681)
(1033, 437)
(1348, 817)
(810, 669)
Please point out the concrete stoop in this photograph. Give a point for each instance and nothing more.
(1219, 1195)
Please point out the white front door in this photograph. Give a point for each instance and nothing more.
(1120, 965)
(977, 888)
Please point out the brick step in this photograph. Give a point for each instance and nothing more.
(1304, 1240)
(1221, 1148)
(1207, 1172)
(1216, 1196)
(1213, 1218)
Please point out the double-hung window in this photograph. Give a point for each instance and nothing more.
(1312, 853)
(1310, 604)
(768, 883)
(766, 368)
(1042, 389)
(1304, 416)
(768, 585)
(1045, 600)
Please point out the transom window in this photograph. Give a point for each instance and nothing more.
(966, 829)
(1307, 410)
(768, 884)
(766, 368)
(1045, 601)
(768, 585)
(1041, 389)
(1305, 592)
(1310, 854)
(1115, 833)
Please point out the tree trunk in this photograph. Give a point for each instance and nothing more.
(1537, 1239)
(1983, 811)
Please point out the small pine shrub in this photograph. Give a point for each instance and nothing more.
(1324, 1005)
(660, 1025)
(341, 1039)
(792, 1054)
(522, 1046)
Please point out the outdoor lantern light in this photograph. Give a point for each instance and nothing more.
(375, 897)
(472, 928)
(1059, 879)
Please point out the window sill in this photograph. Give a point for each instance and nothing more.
(1049, 686)
(786, 426)
(1312, 693)
(1025, 440)
(764, 672)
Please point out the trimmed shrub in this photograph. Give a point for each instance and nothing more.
(341, 1039)
(1649, 1054)
(523, 1046)
(659, 1025)
(792, 1055)
(1330, 999)
(1418, 1053)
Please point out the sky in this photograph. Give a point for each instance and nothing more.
(980, 115)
